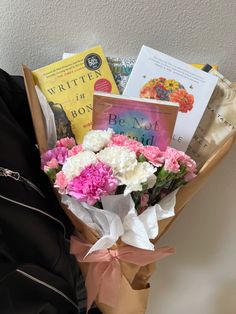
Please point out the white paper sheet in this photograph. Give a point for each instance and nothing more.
(119, 219)
(49, 119)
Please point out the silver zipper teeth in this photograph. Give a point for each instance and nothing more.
(37, 210)
(33, 186)
(48, 286)
(4, 172)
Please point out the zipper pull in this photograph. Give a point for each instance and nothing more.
(9, 173)
(4, 172)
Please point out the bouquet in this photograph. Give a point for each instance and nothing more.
(119, 189)
(117, 214)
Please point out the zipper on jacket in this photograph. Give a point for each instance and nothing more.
(39, 211)
(48, 286)
(4, 172)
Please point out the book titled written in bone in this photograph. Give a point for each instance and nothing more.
(68, 86)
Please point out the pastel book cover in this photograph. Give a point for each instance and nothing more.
(68, 86)
(146, 120)
(156, 75)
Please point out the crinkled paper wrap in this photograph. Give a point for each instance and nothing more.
(119, 220)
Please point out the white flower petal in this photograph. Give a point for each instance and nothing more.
(120, 159)
(151, 181)
(75, 164)
(95, 140)
(142, 173)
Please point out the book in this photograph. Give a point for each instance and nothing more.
(201, 65)
(156, 75)
(122, 67)
(149, 121)
(68, 86)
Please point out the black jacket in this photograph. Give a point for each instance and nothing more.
(37, 273)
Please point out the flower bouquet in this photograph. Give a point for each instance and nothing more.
(131, 279)
(117, 189)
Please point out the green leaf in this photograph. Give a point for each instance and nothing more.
(142, 158)
(144, 186)
(52, 174)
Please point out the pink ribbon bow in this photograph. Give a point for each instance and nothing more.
(104, 273)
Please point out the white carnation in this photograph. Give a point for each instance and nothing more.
(142, 173)
(75, 164)
(120, 159)
(95, 140)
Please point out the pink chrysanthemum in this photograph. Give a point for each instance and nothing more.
(123, 140)
(153, 155)
(67, 142)
(54, 157)
(94, 181)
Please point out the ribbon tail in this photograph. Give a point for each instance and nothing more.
(110, 284)
(93, 281)
(78, 248)
(143, 257)
(162, 253)
(93, 289)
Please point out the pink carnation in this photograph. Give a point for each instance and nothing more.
(57, 154)
(189, 176)
(118, 139)
(61, 182)
(153, 155)
(188, 162)
(75, 150)
(171, 152)
(53, 163)
(67, 142)
(123, 140)
(171, 165)
(93, 182)
(144, 202)
(174, 158)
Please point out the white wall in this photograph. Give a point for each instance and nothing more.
(36, 32)
(201, 277)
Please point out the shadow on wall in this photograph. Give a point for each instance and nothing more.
(201, 277)
(225, 299)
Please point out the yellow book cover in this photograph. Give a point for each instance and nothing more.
(200, 66)
(68, 86)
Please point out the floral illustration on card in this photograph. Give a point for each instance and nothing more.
(169, 90)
